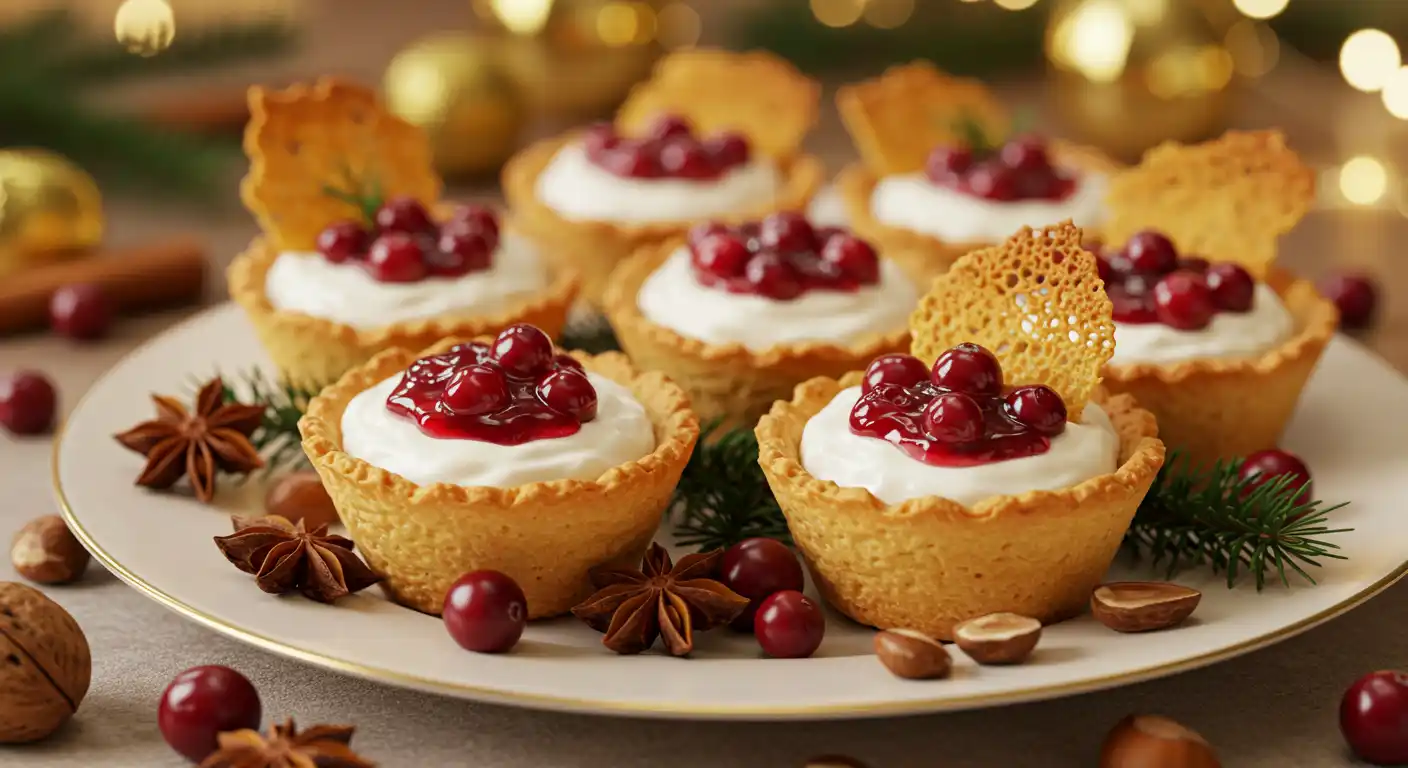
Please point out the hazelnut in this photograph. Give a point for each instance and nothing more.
(1142, 606)
(1150, 741)
(998, 638)
(912, 655)
(301, 495)
(45, 665)
(45, 551)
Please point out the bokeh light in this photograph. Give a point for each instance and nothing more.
(1254, 47)
(1395, 94)
(838, 13)
(679, 24)
(1261, 9)
(522, 17)
(1094, 40)
(1363, 180)
(888, 14)
(1368, 59)
(1015, 5)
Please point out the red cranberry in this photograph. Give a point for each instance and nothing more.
(1182, 300)
(461, 251)
(522, 350)
(1133, 309)
(854, 256)
(476, 390)
(953, 418)
(686, 159)
(80, 311)
(789, 625)
(1193, 264)
(485, 612)
(1264, 466)
(1025, 154)
(403, 214)
(1038, 407)
(756, 568)
(705, 229)
(343, 240)
(27, 403)
(475, 218)
(203, 702)
(568, 361)
(397, 257)
(1150, 253)
(669, 127)
(1232, 287)
(787, 232)
(897, 369)
(772, 276)
(722, 255)
(1374, 717)
(728, 150)
(634, 161)
(569, 392)
(993, 182)
(1107, 272)
(1355, 296)
(948, 161)
(600, 138)
(968, 368)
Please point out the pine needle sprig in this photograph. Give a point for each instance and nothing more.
(723, 497)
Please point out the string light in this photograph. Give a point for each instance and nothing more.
(1094, 40)
(1363, 180)
(1261, 9)
(888, 14)
(1015, 5)
(1395, 94)
(838, 13)
(1254, 47)
(1368, 59)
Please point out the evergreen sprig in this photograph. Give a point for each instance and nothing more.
(277, 439)
(722, 497)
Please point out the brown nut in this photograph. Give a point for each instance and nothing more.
(1142, 606)
(301, 496)
(1150, 741)
(998, 638)
(912, 655)
(45, 552)
(45, 664)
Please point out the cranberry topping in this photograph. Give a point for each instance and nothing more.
(781, 258)
(957, 414)
(1021, 169)
(405, 246)
(669, 149)
(1148, 282)
(512, 392)
(1355, 296)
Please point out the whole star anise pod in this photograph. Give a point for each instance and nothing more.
(286, 557)
(197, 445)
(322, 746)
(661, 599)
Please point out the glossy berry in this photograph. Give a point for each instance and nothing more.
(1182, 300)
(485, 612)
(897, 369)
(789, 625)
(1026, 154)
(948, 161)
(1150, 253)
(397, 257)
(1232, 287)
(80, 311)
(403, 214)
(1193, 264)
(1356, 298)
(1132, 308)
(1038, 407)
(634, 161)
(476, 390)
(522, 350)
(722, 255)
(343, 240)
(728, 150)
(704, 230)
(853, 256)
(993, 182)
(569, 392)
(568, 361)
(1107, 272)
(461, 250)
(686, 160)
(1374, 717)
(27, 403)
(1263, 466)
(203, 702)
(757, 568)
(669, 127)
(772, 276)
(968, 368)
(600, 138)
(953, 418)
(787, 232)
(475, 218)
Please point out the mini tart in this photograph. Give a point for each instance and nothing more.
(594, 248)
(930, 563)
(312, 351)
(545, 535)
(727, 381)
(1224, 408)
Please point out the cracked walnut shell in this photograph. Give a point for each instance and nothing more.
(45, 665)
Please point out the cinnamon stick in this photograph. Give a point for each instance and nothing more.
(205, 112)
(134, 279)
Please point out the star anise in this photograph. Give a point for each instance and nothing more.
(634, 607)
(286, 557)
(322, 746)
(179, 443)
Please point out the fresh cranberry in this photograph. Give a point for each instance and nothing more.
(568, 361)
(704, 230)
(854, 256)
(1038, 407)
(397, 257)
(686, 159)
(203, 702)
(947, 162)
(1183, 301)
(569, 392)
(1194, 264)
(1264, 466)
(1134, 310)
(1107, 272)
(953, 418)
(968, 368)
(485, 612)
(27, 403)
(756, 568)
(789, 625)
(1374, 717)
(772, 276)
(475, 390)
(475, 218)
(1025, 154)
(403, 214)
(728, 150)
(461, 250)
(993, 182)
(634, 160)
(1355, 296)
(1232, 287)
(80, 311)
(669, 127)
(1150, 253)
(600, 138)
(343, 240)
(897, 369)
(723, 255)
(787, 232)
(522, 350)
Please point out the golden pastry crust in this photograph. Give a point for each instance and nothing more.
(726, 381)
(1212, 409)
(930, 563)
(545, 535)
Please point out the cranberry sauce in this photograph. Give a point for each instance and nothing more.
(957, 414)
(781, 257)
(512, 392)
(669, 150)
(1017, 170)
(404, 245)
(1148, 282)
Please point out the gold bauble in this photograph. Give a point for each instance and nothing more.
(49, 209)
(1129, 74)
(454, 87)
(145, 27)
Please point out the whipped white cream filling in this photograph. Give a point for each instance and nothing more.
(910, 201)
(830, 451)
(828, 208)
(1230, 334)
(621, 432)
(345, 293)
(577, 189)
(672, 298)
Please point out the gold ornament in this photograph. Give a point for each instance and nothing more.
(145, 27)
(1129, 74)
(452, 86)
(49, 209)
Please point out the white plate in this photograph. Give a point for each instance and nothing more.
(1349, 429)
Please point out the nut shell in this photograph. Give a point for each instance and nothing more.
(998, 638)
(301, 496)
(46, 552)
(1142, 606)
(912, 655)
(45, 664)
(1151, 741)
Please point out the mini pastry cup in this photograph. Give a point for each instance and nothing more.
(726, 381)
(1211, 409)
(929, 563)
(547, 535)
(312, 352)
(594, 248)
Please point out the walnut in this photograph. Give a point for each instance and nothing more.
(46, 552)
(45, 664)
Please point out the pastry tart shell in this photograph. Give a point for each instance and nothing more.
(546, 535)
(929, 563)
(594, 248)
